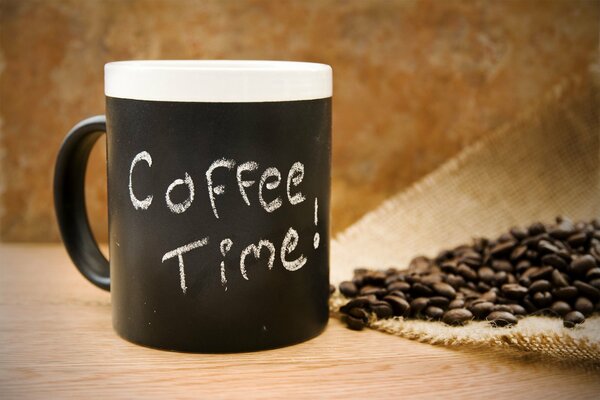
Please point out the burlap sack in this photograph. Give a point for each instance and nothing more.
(544, 163)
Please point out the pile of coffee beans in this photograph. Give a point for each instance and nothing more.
(544, 269)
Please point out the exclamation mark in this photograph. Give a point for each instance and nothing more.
(316, 238)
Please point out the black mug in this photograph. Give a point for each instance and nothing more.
(218, 202)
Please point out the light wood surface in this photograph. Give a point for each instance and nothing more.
(56, 341)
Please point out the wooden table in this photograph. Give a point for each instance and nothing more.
(56, 341)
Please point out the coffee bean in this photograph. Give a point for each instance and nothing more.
(457, 316)
(418, 305)
(573, 318)
(399, 305)
(402, 286)
(331, 289)
(420, 290)
(434, 312)
(382, 309)
(431, 279)
(374, 290)
(522, 266)
(517, 309)
(348, 289)
(584, 305)
(359, 302)
(587, 290)
(566, 293)
(398, 293)
(529, 304)
(456, 281)
(536, 228)
(391, 279)
(502, 307)
(359, 313)
(518, 252)
(582, 264)
(444, 289)
(486, 274)
(502, 249)
(540, 286)
(514, 291)
(354, 323)
(545, 247)
(456, 303)
(577, 239)
(466, 272)
(592, 274)
(502, 265)
(500, 278)
(558, 279)
(542, 273)
(491, 295)
(518, 233)
(555, 261)
(542, 299)
(561, 307)
(482, 309)
(439, 301)
(502, 318)
(595, 283)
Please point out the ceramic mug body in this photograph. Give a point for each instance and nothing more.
(218, 189)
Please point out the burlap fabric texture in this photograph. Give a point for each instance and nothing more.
(544, 163)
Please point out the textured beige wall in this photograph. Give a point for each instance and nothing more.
(415, 81)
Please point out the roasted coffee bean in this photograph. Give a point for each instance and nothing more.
(348, 289)
(584, 305)
(418, 305)
(514, 291)
(558, 279)
(439, 301)
(555, 261)
(572, 319)
(547, 247)
(517, 309)
(502, 265)
(592, 274)
(577, 239)
(420, 290)
(483, 287)
(402, 286)
(457, 316)
(542, 299)
(431, 279)
(374, 290)
(502, 248)
(359, 313)
(518, 252)
(482, 309)
(540, 286)
(587, 290)
(502, 307)
(529, 304)
(582, 264)
(565, 293)
(391, 279)
(331, 289)
(486, 274)
(359, 302)
(561, 307)
(399, 305)
(518, 233)
(595, 283)
(354, 323)
(382, 309)
(542, 273)
(491, 295)
(375, 278)
(536, 228)
(466, 272)
(456, 281)
(500, 278)
(456, 303)
(398, 293)
(419, 264)
(434, 312)
(502, 318)
(444, 289)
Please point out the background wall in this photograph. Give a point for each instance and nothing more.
(414, 81)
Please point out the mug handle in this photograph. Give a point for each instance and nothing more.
(69, 201)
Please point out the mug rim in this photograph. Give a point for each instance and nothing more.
(217, 80)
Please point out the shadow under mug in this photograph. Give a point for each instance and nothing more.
(218, 202)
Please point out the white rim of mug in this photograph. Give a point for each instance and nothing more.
(217, 81)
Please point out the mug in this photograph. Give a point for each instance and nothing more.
(218, 202)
